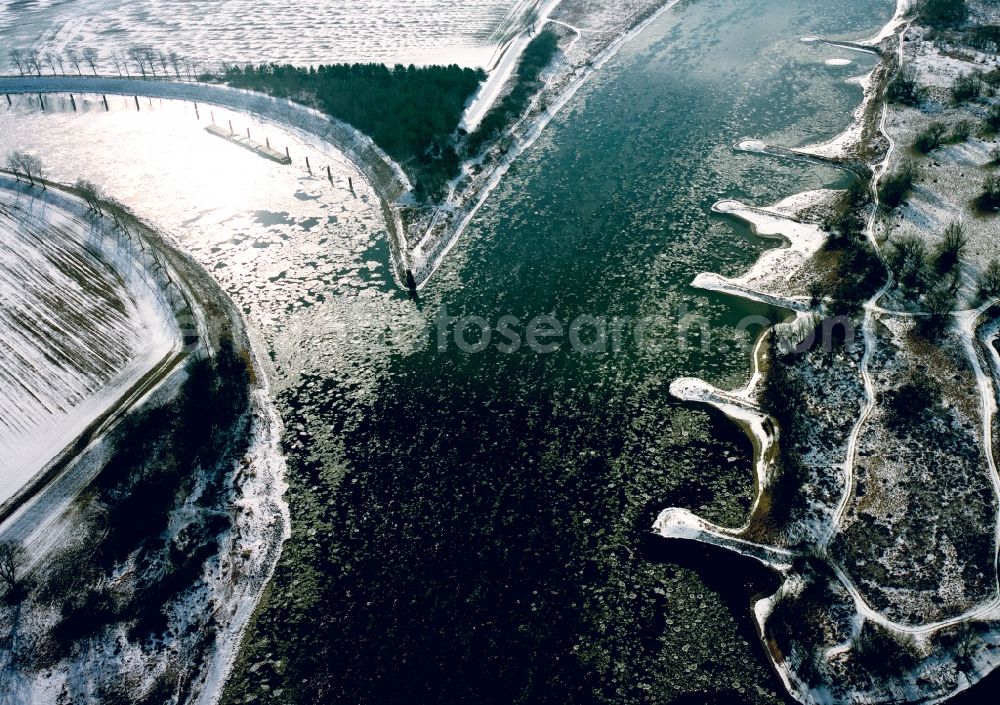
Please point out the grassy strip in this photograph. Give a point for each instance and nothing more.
(536, 57)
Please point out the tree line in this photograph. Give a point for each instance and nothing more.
(942, 14)
(27, 165)
(535, 58)
(134, 62)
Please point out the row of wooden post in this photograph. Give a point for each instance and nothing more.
(72, 101)
(329, 172)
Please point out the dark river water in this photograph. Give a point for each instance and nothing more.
(489, 539)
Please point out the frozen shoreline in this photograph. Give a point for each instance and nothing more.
(760, 283)
(766, 280)
(381, 171)
(777, 220)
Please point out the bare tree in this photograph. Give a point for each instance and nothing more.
(940, 303)
(34, 61)
(150, 55)
(91, 193)
(26, 165)
(952, 247)
(90, 57)
(119, 61)
(20, 59)
(175, 62)
(12, 560)
(138, 55)
(145, 57)
(33, 167)
(164, 61)
(989, 280)
(74, 59)
(14, 164)
(990, 197)
(50, 60)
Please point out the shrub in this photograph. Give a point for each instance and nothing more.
(990, 197)
(995, 155)
(952, 247)
(984, 38)
(816, 292)
(907, 260)
(13, 560)
(931, 138)
(993, 118)
(941, 14)
(904, 87)
(989, 280)
(860, 275)
(797, 621)
(782, 397)
(896, 187)
(844, 223)
(992, 77)
(961, 131)
(907, 403)
(940, 303)
(884, 651)
(967, 87)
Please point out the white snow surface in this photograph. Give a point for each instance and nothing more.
(500, 73)
(79, 325)
(296, 31)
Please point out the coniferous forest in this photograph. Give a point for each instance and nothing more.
(412, 113)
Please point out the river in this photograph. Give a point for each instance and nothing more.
(487, 541)
(474, 525)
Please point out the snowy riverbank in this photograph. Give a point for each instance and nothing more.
(206, 618)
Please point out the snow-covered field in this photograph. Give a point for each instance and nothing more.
(952, 177)
(56, 521)
(417, 31)
(78, 327)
